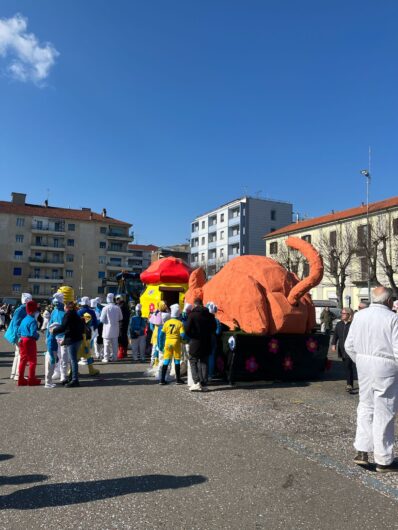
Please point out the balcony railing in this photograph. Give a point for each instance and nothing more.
(47, 279)
(234, 239)
(35, 259)
(60, 246)
(48, 228)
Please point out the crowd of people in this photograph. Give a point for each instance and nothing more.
(178, 343)
(185, 342)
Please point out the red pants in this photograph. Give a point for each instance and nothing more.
(28, 354)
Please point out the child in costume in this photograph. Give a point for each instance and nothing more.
(137, 334)
(155, 321)
(28, 333)
(211, 306)
(11, 334)
(84, 350)
(56, 363)
(171, 337)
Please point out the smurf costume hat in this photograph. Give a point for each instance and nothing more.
(138, 307)
(211, 306)
(31, 307)
(58, 298)
(110, 298)
(85, 300)
(26, 297)
(93, 303)
(175, 310)
(165, 317)
(187, 307)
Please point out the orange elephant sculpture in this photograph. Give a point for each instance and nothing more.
(258, 295)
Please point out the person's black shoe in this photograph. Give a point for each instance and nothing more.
(72, 384)
(361, 458)
(163, 383)
(64, 382)
(391, 468)
(180, 382)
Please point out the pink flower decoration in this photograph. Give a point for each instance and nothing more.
(251, 365)
(287, 363)
(312, 345)
(273, 346)
(220, 364)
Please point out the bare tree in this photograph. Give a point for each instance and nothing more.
(291, 259)
(387, 245)
(338, 248)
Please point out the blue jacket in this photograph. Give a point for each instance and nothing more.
(28, 328)
(137, 327)
(12, 331)
(91, 312)
(56, 316)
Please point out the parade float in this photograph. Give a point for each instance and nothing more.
(165, 280)
(267, 315)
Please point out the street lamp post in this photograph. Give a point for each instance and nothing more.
(367, 175)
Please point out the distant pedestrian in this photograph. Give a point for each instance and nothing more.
(111, 316)
(339, 337)
(372, 343)
(200, 328)
(137, 328)
(327, 318)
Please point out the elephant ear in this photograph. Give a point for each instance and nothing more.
(195, 286)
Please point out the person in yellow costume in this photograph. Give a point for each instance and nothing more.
(84, 351)
(170, 339)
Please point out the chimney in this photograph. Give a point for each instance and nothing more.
(46, 203)
(18, 198)
(104, 212)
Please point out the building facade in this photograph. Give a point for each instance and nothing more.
(43, 247)
(358, 245)
(140, 257)
(181, 251)
(235, 229)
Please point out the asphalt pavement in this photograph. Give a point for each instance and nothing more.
(122, 452)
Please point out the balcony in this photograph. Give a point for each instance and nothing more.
(212, 244)
(48, 229)
(194, 264)
(212, 228)
(44, 262)
(232, 256)
(233, 221)
(45, 279)
(114, 234)
(115, 267)
(47, 246)
(211, 261)
(118, 252)
(195, 249)
(234, 239)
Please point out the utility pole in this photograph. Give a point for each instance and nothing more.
(81, 276)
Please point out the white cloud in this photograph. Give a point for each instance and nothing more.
(29, 60)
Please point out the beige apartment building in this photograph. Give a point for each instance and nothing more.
(43, 247)
(359, 243)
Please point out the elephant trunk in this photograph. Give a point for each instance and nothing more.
(316, 268)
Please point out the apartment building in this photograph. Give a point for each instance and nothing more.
(363, 240)
(235, 229)
(181, 251)
(140, 257)
(43, 247)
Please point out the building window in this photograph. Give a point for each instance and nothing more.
(16, 287)
(102, 260)
(222, 234)
(101, 275)
(203, 224)
(307, 238)
(70, 258)
(221, 218)
(101, 290)
(102, 244)
(71, 227)
(221, 252)
(19, 238)
(273, 247)
(203, 240)
(202, 257)
(18, 255)
(36, 289)
(103, 230)
(69, 273)
(20, 221)
(273, 215)
(17, 271)
(362, 232)
(395, 226)
(70, 243)
(333, 238)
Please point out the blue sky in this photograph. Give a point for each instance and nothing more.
(160, 111)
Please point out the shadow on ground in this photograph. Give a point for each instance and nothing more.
(51, 495)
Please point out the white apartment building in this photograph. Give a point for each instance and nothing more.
(43, 247)
(235, 229)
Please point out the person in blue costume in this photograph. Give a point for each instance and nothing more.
(12, 332)
(137, 334)
(85, 308)
(211, 306)
(56, 362)
(28, 334)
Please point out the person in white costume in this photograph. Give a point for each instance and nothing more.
(111, 316)
(372, 343)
